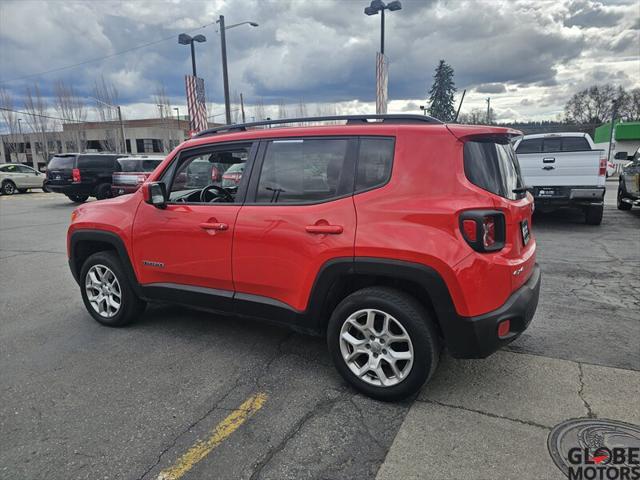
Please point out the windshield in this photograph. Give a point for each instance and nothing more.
(61, 162)
(138, 164)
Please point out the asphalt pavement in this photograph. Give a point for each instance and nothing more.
(185, 394)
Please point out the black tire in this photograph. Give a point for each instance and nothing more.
(23, 190)
(619, 203)
(78, 198)
(593, 214)
(131, 307)
(103, 191)
(8, 187)
(45, 190)
(417, 323)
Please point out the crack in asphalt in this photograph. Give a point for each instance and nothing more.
(590, 413)
(364, 424)
(238, 382)
(488, 414)
(320, 408)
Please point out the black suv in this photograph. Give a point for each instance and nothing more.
(81, 175)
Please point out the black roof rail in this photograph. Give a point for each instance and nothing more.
(350, 119)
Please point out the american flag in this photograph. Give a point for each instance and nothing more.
(196, 102)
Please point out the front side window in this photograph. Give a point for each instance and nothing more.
(212, 177)
(303, 171)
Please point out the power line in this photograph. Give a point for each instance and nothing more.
(144, 45)
(40, 115)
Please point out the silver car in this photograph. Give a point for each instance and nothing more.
(17, 177)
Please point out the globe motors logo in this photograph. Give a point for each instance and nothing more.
(596, 449)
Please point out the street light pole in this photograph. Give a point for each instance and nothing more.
(382, 31)
(119, 110)
(225, 73)
(193, 59)
(225, 76)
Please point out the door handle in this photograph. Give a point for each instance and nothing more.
(324, 229)
(217, 226)
(548, 167)
(549, 160)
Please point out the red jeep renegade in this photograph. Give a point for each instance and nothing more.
(393, 235)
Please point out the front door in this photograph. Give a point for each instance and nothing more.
(187, 245)
(299, 214)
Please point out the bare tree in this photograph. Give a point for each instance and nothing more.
(36, 107)
(258, 110)
(72, 109)
(477, 116)
(10, 119)
(282, 109)
(593, 105)
(164, 110)
(106, 95)
(629, 105)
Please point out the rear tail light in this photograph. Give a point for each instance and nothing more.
(75, 175)
(602, 171)
(483, 230)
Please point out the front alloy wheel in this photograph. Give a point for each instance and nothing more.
(8, 188)
(376, 347)
(103, 291)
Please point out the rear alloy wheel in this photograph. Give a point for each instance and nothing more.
(593, 214)
(383, 343)
(106, 291)
(620, 203)
(8, 188)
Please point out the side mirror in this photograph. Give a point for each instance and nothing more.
(155, 194)
(620, 156)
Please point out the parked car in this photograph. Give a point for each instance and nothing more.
(16, 177)
(81, 175)
(355, 232)
(132, 172)
(564, 170)
(629, 184)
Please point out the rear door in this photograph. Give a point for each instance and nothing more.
(299, 214)
(558, 161)
(60, 168)
(32, 178)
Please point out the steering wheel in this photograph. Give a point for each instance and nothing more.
(223, 192)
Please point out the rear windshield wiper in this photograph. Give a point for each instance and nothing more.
(519, 191)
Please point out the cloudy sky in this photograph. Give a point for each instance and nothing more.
(529, 56)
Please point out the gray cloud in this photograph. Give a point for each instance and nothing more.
(491, 88)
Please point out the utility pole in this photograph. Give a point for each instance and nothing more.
(242, 108)
(613, 125)
(124, 141)
(460, 106)
(225, 75)
(488, 110)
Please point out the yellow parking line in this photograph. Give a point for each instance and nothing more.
(225, 428)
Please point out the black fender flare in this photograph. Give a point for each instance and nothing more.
(101, 236)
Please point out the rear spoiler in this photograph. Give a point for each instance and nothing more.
(466, 133)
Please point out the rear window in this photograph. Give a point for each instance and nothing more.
(575, 144)
(493, 167)
(106, 162)
(138, 164)
(61, 162)
(374, 162)
(533, 145)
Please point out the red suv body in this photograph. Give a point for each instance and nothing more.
(394, 238)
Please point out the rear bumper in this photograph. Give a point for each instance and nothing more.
(477, 337)
(562, 196)
(68, 188)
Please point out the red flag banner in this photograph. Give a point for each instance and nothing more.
(196, 102)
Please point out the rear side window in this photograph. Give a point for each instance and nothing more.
(61, 162)
(303, 171)
(493, 167)
(374, 162)
(575, 144)
(533, 145)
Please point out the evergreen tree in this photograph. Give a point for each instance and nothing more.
(441, 103)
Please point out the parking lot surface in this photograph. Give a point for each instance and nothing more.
(184, 394)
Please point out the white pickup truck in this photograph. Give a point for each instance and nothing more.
(564, 170)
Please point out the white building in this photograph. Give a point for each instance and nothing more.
(153, 135)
